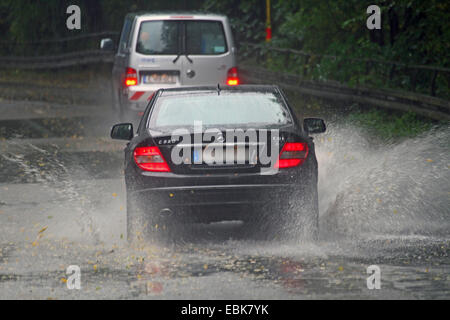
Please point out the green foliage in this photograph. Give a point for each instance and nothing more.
(391, 125)
(413, 32)
(247, 17)
(33, 20)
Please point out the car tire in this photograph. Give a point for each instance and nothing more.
(127, 116)
(298, 219)
(146, 224)
(115, 104)
(136, 222)
(124, 115)
(306, 217)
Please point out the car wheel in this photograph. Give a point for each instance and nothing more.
(124, 115)
(308, 217)
(136, 222)
(297, 219)
(303, 216)
(115, 103)
(143, 224)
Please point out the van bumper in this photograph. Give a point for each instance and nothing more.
(142, 94)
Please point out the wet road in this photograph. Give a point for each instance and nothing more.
(62, 202)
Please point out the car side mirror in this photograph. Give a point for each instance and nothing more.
(314, 125)
(107, 45)
(122, 131)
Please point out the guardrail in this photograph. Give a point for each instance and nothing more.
(306, 63)
(57, 61)
(47, 47)
(60, 40)
(429, 106)
(432, 107)
(78, 50)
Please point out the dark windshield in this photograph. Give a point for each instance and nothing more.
(229, 109)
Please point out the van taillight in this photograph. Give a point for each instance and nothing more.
(232, 77)
(131, 78)
(293, 154)
(150, 159)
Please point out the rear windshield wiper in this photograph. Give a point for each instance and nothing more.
(176, 59)
(187, 57)
(179, 55)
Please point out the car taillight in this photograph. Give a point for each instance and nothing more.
(293, 154)
(150, 159)
(131, 77)
(232, 77)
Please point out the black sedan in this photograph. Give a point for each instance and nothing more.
(205, 154)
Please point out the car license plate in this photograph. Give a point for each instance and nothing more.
(238, 156)
(159, 78)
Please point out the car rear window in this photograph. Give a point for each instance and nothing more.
(162, 37)
(227, 109)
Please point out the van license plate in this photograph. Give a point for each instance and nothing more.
(159, 78)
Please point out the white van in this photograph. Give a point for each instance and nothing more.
(169, 50)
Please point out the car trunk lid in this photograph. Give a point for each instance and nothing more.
(222, 152)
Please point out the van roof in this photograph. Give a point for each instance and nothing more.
(171, 14)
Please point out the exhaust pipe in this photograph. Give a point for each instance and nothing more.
(165, 212)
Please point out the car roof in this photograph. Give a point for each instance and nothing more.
(239, 88)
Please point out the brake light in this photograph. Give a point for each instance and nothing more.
(232, 77)
(150, 159)
(293, 154)
(131, 77)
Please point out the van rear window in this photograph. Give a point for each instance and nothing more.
(158, 37)
(203, 37)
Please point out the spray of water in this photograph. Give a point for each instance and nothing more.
(391, 188)
(61, 181)
(365, 188)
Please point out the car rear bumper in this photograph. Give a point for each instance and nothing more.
(215, 197)
(212, 202)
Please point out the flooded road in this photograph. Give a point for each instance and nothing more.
(62, 203)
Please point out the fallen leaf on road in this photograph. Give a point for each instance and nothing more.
(43, 229)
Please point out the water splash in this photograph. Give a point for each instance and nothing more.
(60, 180)
(376, 188)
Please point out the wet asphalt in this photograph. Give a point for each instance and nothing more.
(62, 203)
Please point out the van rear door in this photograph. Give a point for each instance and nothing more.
(208, 52)
(158, 45)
